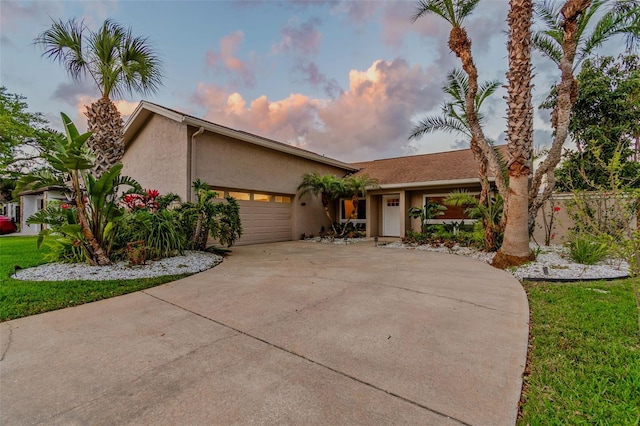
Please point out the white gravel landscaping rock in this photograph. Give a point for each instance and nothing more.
(189, 263)
(552, 263)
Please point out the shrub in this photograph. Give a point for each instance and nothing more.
(161, 235)
(587, 250)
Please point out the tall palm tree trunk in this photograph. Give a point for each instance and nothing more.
(106, 124)
(515, 246)
(561, 115)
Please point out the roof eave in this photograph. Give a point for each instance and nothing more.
(266, 143)
(144, 109)
(448, 182)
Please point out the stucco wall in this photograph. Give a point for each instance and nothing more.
(157, 157)
(224, 162)
(30, 205)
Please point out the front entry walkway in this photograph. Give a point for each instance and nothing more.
(285, 333)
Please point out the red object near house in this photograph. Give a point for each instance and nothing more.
(7, 226)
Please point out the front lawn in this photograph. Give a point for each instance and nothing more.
(584, 355)
(23, 298)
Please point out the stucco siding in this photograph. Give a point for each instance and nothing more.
(224, 162)
(157, 157)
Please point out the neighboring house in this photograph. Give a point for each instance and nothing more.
(407, 182)
(35, 200)
(167, 150)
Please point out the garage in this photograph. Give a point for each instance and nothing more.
(168, 150)
(266, 218)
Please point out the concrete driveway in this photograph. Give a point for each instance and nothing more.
(287, 333)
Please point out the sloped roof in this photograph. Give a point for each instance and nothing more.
(145, 109)
(441, 167)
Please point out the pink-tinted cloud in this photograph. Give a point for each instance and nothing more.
(317, 79)
(372, 119)
(304, 39)
(226, 60)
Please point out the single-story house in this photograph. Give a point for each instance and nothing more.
(168, 150)
(411, 181)
(33, 201)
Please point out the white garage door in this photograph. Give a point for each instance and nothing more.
(266, 218)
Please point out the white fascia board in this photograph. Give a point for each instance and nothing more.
(451, 182)
(246, 137)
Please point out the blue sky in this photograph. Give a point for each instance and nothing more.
(347, 79)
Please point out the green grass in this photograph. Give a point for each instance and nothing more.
(585, 354)
(23, 298)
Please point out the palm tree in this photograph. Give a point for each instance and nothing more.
(515, 245)
(490, 213)
(570, 35)
(357, 186)
(118, 62)
(455, 12)
(328, 187)
(454, 117)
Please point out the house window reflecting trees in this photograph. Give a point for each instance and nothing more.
(347, 211)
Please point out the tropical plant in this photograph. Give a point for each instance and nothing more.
(587, 250)
(515, 249)
(94, 200)
(156, 229)
(118, 62)
(206, 218)
(431, 210)
(453, 118)
(489, 213)
(455, 12)
(328, 187)
(572, 32)
(356, 186)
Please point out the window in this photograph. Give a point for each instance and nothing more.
(283, 199)
(393, 202)
(240, 196)
(347, 211)
(219, 193)
(262, 197)
(452, 213)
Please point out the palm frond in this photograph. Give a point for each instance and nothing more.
(452, 11)
(62, 42)
(549, 13)
(486, 89)
(438, 123)
(548, 45)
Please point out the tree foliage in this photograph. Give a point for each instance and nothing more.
(118, 62)
(605, 121)
(93, 200)
(24, 135)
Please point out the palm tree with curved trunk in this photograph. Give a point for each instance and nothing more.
(119, 64)
(328, 187)
(453, 117)
(357, 186)
(455, 12)
(570, 34)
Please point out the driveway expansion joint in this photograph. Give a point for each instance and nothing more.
(9, 341)
(341, 373)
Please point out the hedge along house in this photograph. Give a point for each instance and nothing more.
(168, 150)
(411, 181)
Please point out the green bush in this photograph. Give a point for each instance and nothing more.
(159, 231)
(587, 250)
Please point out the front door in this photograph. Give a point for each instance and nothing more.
(391, 215)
